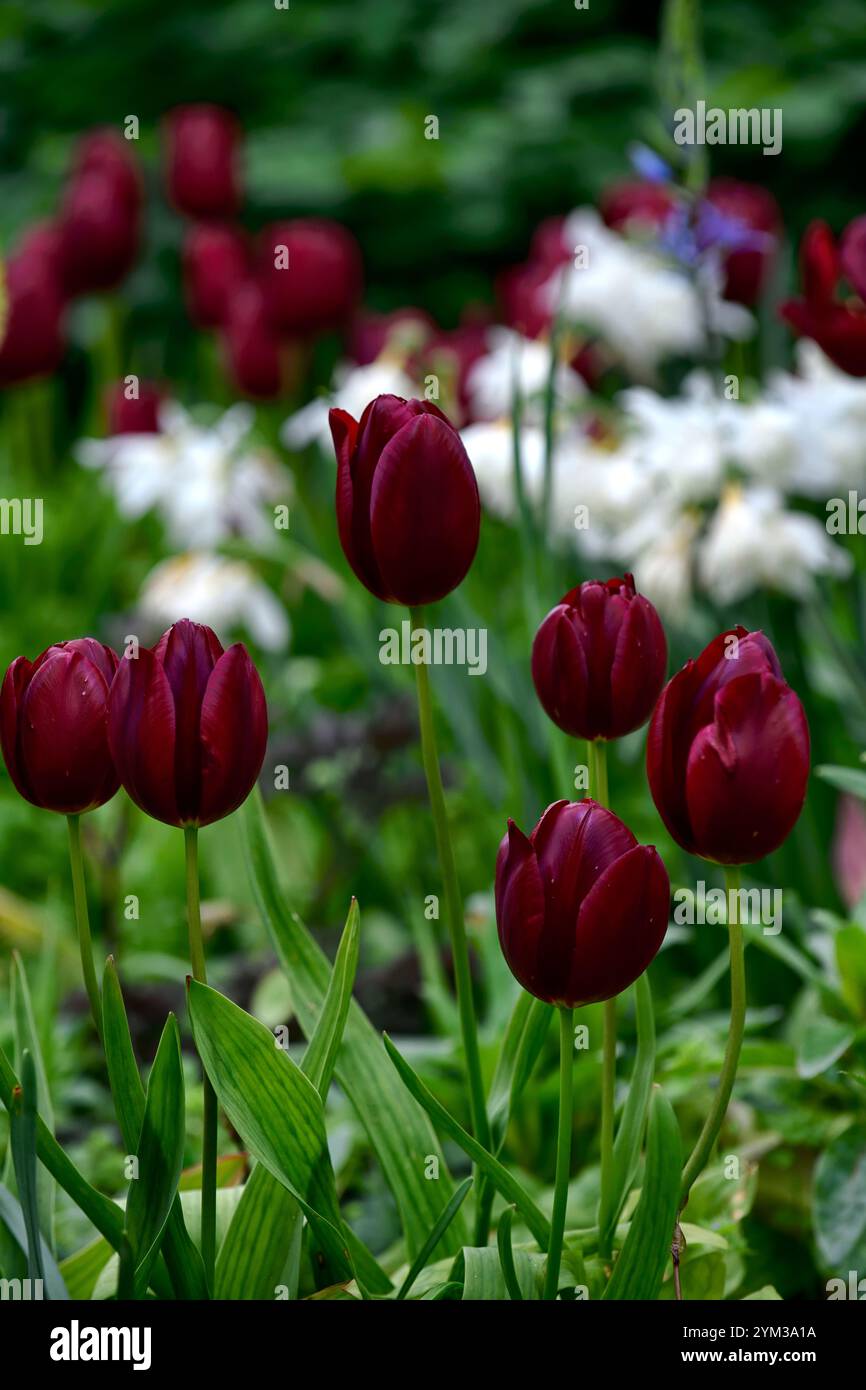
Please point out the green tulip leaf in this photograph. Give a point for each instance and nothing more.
(646, 1251)
(839, 1207)
(626, 1149)
(434, 1237)
(160, 1156)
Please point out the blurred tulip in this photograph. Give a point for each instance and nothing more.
(99, 234)
(848, 850)
(747, 268)
(728, 751)
(254, 354)
(407, 501)
(838, 327)
(637, 203)
(312, 275)
(203, 160)
(215, 263)
(403, 331)
(450, 355)
(133, 415)
(53, 726)
(599, 660)
(188, 726)
(581, 907)
(104, 151)
(34, 341)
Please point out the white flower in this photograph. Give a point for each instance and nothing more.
(754, 542)
(225, 594)
(663, 567)
(643, 307)
(515, 363)
(491, 452)
(678, 440)
(354, 388)
(207, 482)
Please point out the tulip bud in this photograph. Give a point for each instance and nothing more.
(311, 273)
(407, 501)
(33, 341)
(215, 264)
(54, 726)
(188, 726)
(581, 907)
(202, 161)
(747, 268)
(728, 751)
(254, 354)
(599, 660)
(133, 415)
(106, 152)
(99, 234)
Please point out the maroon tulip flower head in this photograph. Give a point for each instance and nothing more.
(203, 161)
(256, 358)
(837, 326)
(599, 660)
(187, 726)
(99, 234)
(54, 726)
(106, 152)
(311, 273)
(407, 501)
(34, 339)
(216, 262)
(133, 414)
(747, 268)
(728, 751)
(581, 907)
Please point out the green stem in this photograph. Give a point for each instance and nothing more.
(82, 921)
(209, 1137)
(563, 1152)
(704, 1147)
(598, 771)
(453, 912)
(608, 1087)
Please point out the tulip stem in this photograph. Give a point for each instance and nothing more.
(599, 792)
(598, 771)
(454, 915)
(563, 1152)
(713, 1123)
(209, 1134)
(82, 921)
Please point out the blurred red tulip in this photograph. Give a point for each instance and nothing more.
(216, 262)
(203, 160)
(599, 660)
(138, 414)
(34, 340)
(728, 751)
(99, 234)
(311, 273)
(188, 726)
(852, 255)
(408, 511)
(54, 726)
(839, 328)
(105, 152)
(581, 907)
(747, 268)
(254, 354)
(403, 330)
(521, 302)
(638, 203)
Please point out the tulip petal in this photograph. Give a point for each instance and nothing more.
(15, 683)
(559, 673)
(424, 511)
(638, 667)
(189, 653)
(234, 732)
(62, 734)
(620, 927)
(520, 907)
(141, 733)
(747, 771)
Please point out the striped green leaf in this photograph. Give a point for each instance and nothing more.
(160, 1156)
(639, 1271)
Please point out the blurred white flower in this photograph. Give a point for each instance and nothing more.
(491, 451)
(522, 365)
(753, 542)
(644, 308)
(663, 563)
(354, 388)
(678, 440)
(226, 594)
(207, 482)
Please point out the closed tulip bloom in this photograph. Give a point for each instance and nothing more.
(106, 152)
(581, 907)
(255, 356)
(728, 751)
(599, 660)
(311, 273)
(203, 160)
(138, 414)
(99, 233)
(215, 263)
(407, 501)
(54, 726)
(188, 726)
(33, 342)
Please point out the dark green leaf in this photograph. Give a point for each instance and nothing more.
(626, 1149)
(434, 1237)
(159, 1153)
(640, 1268)
(840, 1200)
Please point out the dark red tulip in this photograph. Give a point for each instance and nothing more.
(215, 263)
(137, 414)
(203, 160)
(407, 500)
(450, 354)
(728, 751)
(599, 660)
(403, 330)
(522, 304)
(99, 234)
(637, 202)
(581, 907)
(311, 273)
(187, 726)
(747, 268)
(106, 152)
(852, 255)
(34, 339)
(838, 327)
(54, 726)
(254, 354)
